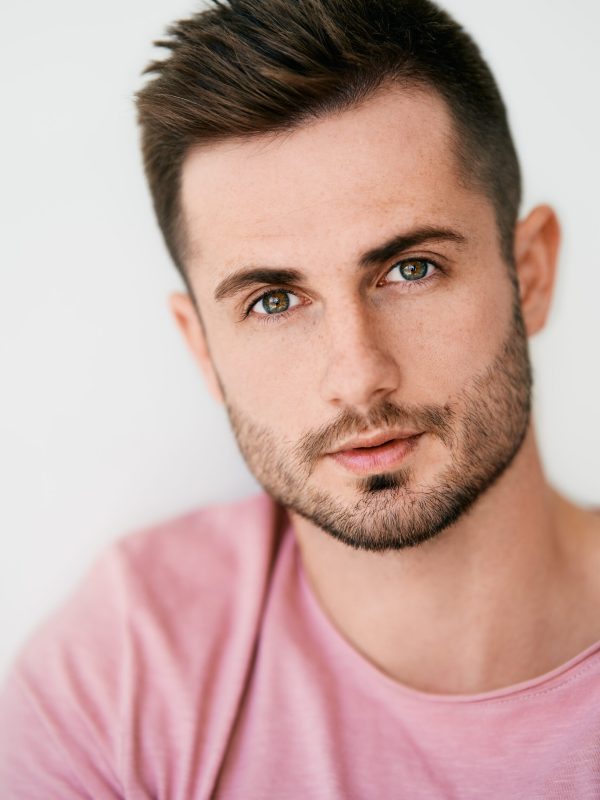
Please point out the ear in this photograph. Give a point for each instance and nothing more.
(188, 320)
(537, 238)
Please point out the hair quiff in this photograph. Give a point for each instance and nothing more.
(248, 67)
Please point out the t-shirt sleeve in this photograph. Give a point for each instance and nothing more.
(133, 686)
(59, 707)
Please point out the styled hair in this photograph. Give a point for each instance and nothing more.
(242, 68)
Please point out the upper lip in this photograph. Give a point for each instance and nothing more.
(374, 440)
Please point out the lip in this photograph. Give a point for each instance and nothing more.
(379, 453)
(375, 439)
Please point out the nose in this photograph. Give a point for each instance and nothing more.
(360, 369)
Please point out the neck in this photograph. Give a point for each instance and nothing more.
(493, 600)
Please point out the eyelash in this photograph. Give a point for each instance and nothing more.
(268, 319)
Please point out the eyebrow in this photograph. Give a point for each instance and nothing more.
(251, 276)
(404, 241)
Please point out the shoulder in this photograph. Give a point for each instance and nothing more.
(200, 549)
(170, 569)
(202, 572)
(157, 619)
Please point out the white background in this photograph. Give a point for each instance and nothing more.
(104, 424)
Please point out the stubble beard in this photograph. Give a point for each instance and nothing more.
(483, 431)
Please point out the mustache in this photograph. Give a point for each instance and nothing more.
(436, 419)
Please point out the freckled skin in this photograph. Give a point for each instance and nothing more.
(487, 425)
(354, 350)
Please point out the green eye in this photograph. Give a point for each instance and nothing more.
(275, 302)
(414, 269)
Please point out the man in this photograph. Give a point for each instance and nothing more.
(410, 609)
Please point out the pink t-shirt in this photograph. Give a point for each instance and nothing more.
(194, 662)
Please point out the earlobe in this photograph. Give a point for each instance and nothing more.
(188, 321)
(537, 239)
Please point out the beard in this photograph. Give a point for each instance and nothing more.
(483, 430)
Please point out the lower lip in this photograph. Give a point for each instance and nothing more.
(363, 460)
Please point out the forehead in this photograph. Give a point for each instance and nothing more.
(338, 182)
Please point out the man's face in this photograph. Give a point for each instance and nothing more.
(360, 320)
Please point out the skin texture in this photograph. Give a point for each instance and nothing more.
(460, 549)
(481, 428)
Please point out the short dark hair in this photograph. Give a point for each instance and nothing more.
(242, 68)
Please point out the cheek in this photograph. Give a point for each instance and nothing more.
(444, 340)
(439, 343)
(269, 373)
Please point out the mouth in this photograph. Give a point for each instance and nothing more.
(381, 453)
